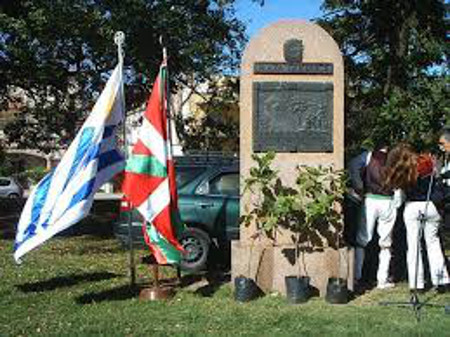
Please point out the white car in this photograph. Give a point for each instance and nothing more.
(10, 188)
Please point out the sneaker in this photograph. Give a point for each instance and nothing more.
(385, 285)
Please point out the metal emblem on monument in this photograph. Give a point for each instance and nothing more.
(294, 65)
(293, 51)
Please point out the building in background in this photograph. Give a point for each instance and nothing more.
(17, 159)
(197, 109)
(207, 115)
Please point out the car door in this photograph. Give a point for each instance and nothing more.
(217, 204)
(188, 179)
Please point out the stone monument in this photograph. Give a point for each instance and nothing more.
(292, 103)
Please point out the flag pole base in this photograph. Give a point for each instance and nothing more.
(156, 293)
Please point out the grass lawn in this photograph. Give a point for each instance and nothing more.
(79, 287)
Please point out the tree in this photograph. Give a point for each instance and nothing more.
(397, 56)
(60, 52)
(4, 170)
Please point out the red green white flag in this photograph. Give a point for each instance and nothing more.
(149, 182)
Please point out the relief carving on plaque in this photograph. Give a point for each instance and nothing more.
(311, 114)
(293, 116)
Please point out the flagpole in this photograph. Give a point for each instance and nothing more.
(168, 112)
(169, 115)
(169, 119)
(119, 39)
(156, 266)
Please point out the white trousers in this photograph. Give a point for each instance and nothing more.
(438, 269)
(383, 211)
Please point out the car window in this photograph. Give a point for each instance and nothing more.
(185, 174)
(4, 182)
(225, 184)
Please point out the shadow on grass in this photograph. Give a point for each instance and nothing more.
(215, 281)
(124, 292)
(64, 281)
(8, 226)
(115, 294)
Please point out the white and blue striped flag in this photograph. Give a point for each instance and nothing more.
(65, 195)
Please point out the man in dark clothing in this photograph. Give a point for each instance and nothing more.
(444, 144)
(444, 140)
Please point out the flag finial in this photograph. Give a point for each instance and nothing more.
(119, 39)
(161, 42)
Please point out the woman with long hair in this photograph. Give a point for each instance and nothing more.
(379, 214)
(415, 175)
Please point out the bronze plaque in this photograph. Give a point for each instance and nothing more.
(293, 116)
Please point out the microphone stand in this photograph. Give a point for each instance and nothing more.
(414, 300)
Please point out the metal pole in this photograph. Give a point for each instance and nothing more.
(167, 89)
(163, 88)
(169, 118)
(119, 39)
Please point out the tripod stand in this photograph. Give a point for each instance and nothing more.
(414, 300)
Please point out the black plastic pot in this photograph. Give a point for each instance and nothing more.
(297, 289)
(337, 291)
(245, 289)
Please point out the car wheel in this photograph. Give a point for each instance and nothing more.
(196, 244)
(13, 196)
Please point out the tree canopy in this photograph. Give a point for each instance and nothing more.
(58, 54)
(397, 56)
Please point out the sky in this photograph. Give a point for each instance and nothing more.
(257, 17)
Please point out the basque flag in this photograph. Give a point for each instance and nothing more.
(149, 183)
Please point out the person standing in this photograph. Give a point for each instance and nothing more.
(381, 212)
(415, 174)
(444, 145)
(444, 140)
(356, 168)
(355, 196)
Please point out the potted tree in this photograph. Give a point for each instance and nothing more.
(310, 210)
(264, 213)
(312, 214)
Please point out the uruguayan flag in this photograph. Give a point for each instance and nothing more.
(65, 195)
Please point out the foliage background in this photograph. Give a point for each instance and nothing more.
(396, 66)
(59, 54)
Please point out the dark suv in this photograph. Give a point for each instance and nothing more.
(208, 192)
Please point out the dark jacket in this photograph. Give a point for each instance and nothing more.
(374, 174)
(419, 192)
